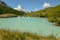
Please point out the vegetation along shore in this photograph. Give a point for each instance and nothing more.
(51, 13)
(16, 35)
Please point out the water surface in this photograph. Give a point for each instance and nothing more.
(30, 24)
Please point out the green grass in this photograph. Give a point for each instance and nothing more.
(16, 35)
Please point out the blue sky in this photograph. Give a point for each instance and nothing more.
(31, 4)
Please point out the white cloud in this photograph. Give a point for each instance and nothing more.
(19, 8)
(15, 8)
(36, 9)
(45, 5)
(24, 10)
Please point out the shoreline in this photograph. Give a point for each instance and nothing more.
(16, 35)
(7, 15)
(13, 16)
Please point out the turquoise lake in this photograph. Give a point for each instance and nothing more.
(30, 24)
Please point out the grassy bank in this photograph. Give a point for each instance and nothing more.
(16, 35)
(51, 13)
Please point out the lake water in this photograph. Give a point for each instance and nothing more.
(30, 24)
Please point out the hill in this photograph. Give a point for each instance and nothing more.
(52, 13)
(5, 9)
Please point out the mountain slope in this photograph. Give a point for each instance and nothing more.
(52, 13)
(49, 11)
(4, 9)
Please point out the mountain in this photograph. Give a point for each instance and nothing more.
(2, 3)
(52, 13)
(5, 9)
(20, 8)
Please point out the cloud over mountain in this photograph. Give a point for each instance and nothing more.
(46, 5)
(19, 8)
(36, 9)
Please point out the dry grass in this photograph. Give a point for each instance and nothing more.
(16, 35)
